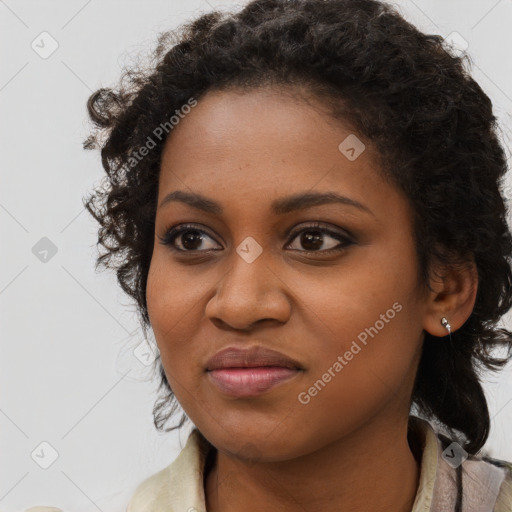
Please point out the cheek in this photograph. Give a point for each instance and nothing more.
(341, 306)
(171, 295)
(161, 307)
(379, 334)
(368, 366)
(172, 308)
(368, 334)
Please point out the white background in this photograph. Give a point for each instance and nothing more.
(68, 375)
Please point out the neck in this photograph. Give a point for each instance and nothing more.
(371, 469)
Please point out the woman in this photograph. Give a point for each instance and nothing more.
(304, 200)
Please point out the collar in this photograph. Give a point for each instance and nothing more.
(179, 486)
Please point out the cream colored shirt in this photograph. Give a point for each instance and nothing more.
(487, 486)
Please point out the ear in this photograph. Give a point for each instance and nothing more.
(453, 294)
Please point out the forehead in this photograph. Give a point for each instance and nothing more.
(261, 144)
(259, 128)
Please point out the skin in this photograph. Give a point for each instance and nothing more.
(347, 448)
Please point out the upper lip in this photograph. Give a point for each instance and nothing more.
(252, 357)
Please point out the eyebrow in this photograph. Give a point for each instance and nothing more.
(280, 206)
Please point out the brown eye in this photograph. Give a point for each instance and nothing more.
(319, 239)
(314, 238)
(189, 238)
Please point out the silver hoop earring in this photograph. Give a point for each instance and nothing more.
(446, 325)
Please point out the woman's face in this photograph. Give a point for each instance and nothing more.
(332, 285)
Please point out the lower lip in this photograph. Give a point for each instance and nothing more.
(247, 382)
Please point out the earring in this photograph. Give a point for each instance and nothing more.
(445, 324)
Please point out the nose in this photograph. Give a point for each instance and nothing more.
(249, 293)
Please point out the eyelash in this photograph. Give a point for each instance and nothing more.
(172, 233)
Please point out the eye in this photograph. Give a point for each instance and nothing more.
(190, 236)
(313, 237)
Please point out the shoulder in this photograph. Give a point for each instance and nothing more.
(485, 482)
(450, 475)
(504, 464)
(149, 492)
(504, 497)
(177, 487)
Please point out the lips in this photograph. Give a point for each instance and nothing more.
(253, 357)
(245, 373)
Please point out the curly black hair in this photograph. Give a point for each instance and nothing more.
(405, 92)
